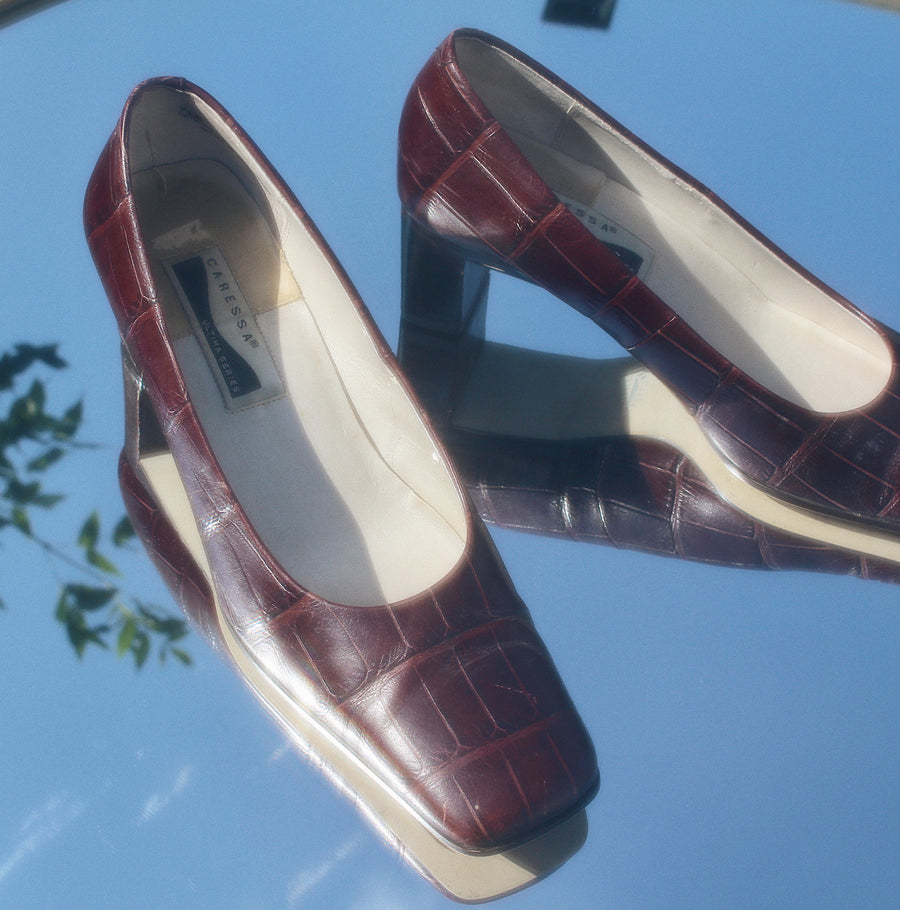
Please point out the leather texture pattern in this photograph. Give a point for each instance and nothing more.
(453, 689)
(621, 491)
(184, 579)
(462, 178)
(636, 494)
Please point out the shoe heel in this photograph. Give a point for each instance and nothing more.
(442, 291)
(144, 435)
(442, 325)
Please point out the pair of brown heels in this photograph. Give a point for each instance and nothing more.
(298, 501)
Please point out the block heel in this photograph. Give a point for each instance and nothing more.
(443, 317)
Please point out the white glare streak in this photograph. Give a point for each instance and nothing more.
(309, 878)
(42, 825)
(159, 801)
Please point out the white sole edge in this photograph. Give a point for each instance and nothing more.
(468, 878)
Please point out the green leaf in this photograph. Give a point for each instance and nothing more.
(47, 500)
(151, 620)
(140, 648)
(48, 354)
(173, 629)
(26, 414)
(62, 605)
(124, 531)
(99, 561)
(88, 597)
(38, 395)
(22, 493)
(90, 532)
(126, 636)
(183, 656)
(20, 519)
(25, 494)
(96, 634)
(22, 357)
(68, 424)
(78, 635)
(45, 459)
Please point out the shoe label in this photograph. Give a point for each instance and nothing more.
(227, 329)
(635, 255)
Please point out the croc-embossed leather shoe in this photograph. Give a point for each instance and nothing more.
(786, 396)
(542, 443)
(148, 477)
(353, 585)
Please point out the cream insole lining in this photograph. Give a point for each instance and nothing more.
(702, 271)
(331, 485)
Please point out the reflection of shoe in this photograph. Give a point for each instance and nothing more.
(542, 444)
(795, 393)
(352, 582)
(181, 560)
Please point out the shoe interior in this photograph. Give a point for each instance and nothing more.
(761, 313)
(312, 428)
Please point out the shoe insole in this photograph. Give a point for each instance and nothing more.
(318, 440)
(776, 327)
(764, 315)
